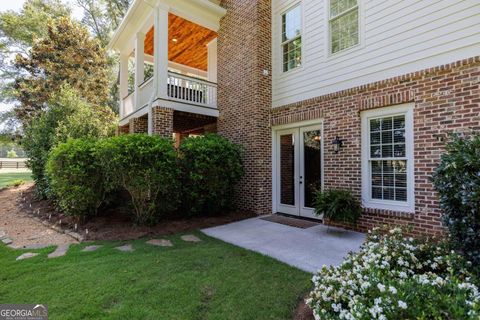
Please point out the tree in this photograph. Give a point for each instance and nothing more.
(18, 30)
(67, 55)
(103, 17)
(67, 116)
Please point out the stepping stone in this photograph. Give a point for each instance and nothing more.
(7, 240)
(125, 248)
(60, 251)
(190, 238)
(160, 243)
(35, 246)
(91, 248)
(27, 255)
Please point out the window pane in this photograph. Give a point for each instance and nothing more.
(339, 6)
(291, 23)
(292, 54)
(387, 151)
(399, 150)
(389, 180)
(287, 169)
(344, 31)
(388, 194)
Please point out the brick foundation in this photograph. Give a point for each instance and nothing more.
(162, 121)
(446, 99)
(244, 95)
(138, 125)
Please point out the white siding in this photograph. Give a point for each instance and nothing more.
(396, 37)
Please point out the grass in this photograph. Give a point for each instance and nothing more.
(9, 179)
(206, 280)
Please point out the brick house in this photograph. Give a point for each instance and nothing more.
(347, 94)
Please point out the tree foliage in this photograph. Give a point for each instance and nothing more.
(457, 180)
(65, 118)
(102, 17)
(18, 30)
(67, 55)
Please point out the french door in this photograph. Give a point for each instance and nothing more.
(298, 162)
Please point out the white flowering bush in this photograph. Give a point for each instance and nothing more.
(395, 277)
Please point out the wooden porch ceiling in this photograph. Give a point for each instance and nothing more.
(190, 47)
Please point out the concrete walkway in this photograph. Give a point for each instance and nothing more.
(307, 249)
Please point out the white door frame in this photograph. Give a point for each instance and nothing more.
(275, 165)
(285, 208)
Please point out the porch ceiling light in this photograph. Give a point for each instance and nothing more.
(337, 144)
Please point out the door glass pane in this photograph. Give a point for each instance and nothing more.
(287, 169)
(312, 164)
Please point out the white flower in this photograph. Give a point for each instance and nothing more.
(381, 287)
(392, 290)
(402, 304)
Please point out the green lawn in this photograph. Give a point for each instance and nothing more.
(7, 179)
(206, 280)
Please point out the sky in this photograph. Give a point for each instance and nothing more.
(17, 5)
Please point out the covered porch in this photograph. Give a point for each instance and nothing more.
(168, 60)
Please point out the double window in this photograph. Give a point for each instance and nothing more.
(387, 158)
(343, 24)
(292, 38)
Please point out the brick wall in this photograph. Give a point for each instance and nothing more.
(162, 120)
(244, 95)
(138, 125)
(446, 99)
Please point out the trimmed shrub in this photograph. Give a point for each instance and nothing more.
(12, 154)
(457, 180)
(146, 166)
(76, 177)
(395, 277)
(211, 167)
(338, 206)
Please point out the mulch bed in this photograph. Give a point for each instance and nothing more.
(115, 223)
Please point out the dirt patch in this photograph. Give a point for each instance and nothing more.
(303, 312)
(18, 224)
(115, 224)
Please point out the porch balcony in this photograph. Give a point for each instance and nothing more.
(180, 88)
(168, 57)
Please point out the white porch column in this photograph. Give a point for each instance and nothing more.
(123, 81)
(212, 60)
(160, 50)
(139, 65)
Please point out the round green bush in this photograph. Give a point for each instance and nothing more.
(76, 177)
(145, 166)
(337, 205)
(211, 167)
(457, 180)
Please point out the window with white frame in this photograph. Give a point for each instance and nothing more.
(387, 158)
(343, 24)
(292, 38)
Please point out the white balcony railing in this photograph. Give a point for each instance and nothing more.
(191, 90)
(180, 88)
(128, 104)
(145, 91)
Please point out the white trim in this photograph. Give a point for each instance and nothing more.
(285, 128)
(367, 201)
(361, 28)
(282, 43)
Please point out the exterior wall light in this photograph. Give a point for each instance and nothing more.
(337, 144)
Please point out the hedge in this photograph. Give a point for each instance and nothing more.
(211, 167)
(203, 174)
